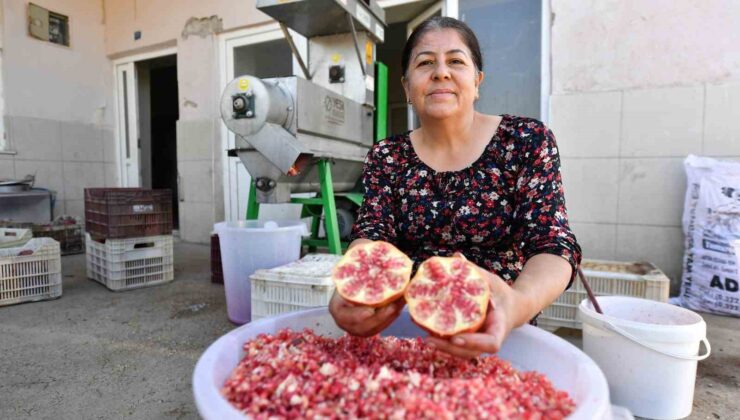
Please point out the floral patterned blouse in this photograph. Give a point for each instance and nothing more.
(501, 210)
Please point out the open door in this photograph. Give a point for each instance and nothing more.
(127, 124)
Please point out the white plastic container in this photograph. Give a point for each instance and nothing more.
(247, 246)
(648, 351)
(13, 238)
(31, 272)
(299, 285)
(527, 348)
(131, 263)
(606, 278)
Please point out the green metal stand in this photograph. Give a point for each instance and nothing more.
(314, 207)
(253, 207)
(381, 101)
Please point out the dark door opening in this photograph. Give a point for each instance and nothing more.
(158, 115)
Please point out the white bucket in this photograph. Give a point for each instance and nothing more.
(648, 351)
(247, 246)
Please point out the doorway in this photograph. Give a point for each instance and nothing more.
(147, 113)
(158, 115)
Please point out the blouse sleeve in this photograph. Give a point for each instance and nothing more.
(376, 218)
(542, 220)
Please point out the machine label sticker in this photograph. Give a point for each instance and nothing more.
(334, 110)
(369, 52)
(143, 208)
(363, 16)
(243, 84)
(335, 58)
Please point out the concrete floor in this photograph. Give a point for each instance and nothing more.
(98, 354)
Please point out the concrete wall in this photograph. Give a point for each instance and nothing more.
(199, 152)
(192, 26)
(58, 103)
(162, 21)
(636, 87)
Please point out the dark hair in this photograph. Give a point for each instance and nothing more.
(437, 23)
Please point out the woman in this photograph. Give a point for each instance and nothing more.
(465, 183)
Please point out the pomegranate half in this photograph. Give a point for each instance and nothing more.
(448, 296)
(372, 274)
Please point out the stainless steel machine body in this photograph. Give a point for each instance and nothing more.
(285, 125)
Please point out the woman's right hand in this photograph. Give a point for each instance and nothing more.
(363, 321)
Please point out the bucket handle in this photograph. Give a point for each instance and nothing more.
(636, 340)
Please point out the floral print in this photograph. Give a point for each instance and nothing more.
(501, 210)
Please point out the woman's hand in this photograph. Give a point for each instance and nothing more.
(501, 318)
(363, 321)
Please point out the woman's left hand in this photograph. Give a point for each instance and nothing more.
(500, 320)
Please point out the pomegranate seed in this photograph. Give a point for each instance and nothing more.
(303, 375)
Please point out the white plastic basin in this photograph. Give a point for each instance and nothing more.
(527, 348)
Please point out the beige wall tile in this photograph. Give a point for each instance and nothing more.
(721, 128)
(597, 241)
(7, 166)
(110, 171)
(196, 222)
(81, 142)
(662, 246)
(48, 175)
(662, 122)
(36, 139)
(81, 175)
(196, 181)
(587, 125)
(591, 189)
(110, 147)
(651, 191)
(194, 139)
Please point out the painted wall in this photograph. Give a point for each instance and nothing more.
(636, 87)
(162, 21)
(58, 103)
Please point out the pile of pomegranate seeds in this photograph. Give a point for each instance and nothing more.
(301, 374)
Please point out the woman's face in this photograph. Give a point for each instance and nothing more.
(442, 80)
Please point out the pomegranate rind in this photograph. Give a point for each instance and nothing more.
(448, 282)
(372, 274)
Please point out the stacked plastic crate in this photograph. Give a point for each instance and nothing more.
(129, 237)
(606, 278)
(299, 285)
(30, 268)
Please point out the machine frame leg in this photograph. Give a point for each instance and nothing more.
(331, 225)
(253, 207)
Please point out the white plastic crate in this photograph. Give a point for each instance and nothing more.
(32, 277)
(606, 278)
(123, 264)
(13, 238)
(302, 284)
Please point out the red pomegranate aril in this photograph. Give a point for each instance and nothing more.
(372, 274)
(303, 375)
